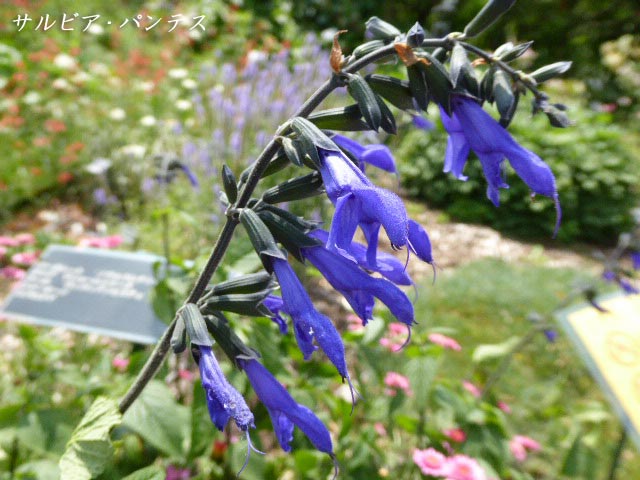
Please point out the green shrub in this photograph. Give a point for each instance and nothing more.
(596, 172)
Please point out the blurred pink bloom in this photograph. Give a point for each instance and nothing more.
(380, 429)
(398, 382)
(3, 252)
(25, 259)
(444, 341)
(397, 337)
(6, 241)
(396, 328)
(391, 345)
(185, 374)
(355, 323)
(504, 407)
(25, 239)
(461, 467)
(520, 445)
(472, 389)
(431, 462)
(175, 473)
(120, 363)
(12, 273)
(112, 241)
(456, 435)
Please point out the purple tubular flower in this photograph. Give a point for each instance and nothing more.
(387, 265)
(635, 259)
(377, 155)
(224, 401)
(284, 411)
(422, 123)
(471, 128)
(360, 202)
(276, 305)
(358, 287)
(308, 323)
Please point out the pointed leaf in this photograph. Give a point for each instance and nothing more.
(229, 183)
(361, 92)
(241, 303)
(153, 472)
(459, 62)
(295, 189)
(393, 90)
(227, 339)
(379, 29)
(261, 238)
(346, 118)
(250, 283)
(515, 52)
(492, 10)
(306, 129)
(299, 222)
(288, 234)
(503, 93)
(367, 47)
(194, 322)
(179, 337)
(438, 81)
(276, 164)
(550, 71)
(294, 151)
(418, 86)
(388, 122)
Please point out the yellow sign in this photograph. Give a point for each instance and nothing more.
(610, 344)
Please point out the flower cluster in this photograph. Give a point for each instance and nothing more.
(432, 463)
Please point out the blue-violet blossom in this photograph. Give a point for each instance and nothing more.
(276, 305)
(223, 400)
(471, 128)
(376, 154)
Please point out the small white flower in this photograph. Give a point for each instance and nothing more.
(189, 83)
(148, 121)
(134, 150)
(80, 77)
(64, 61)
(257, 56)
(178, 73)
(61, 84)
(98, 166)
(143, 86)
(183, 105)
(95, 29)
(98, 68)
(117, 114)
(31, 97)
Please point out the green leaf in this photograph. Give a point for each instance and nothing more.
(38, 470)
(347, 118)
(288, 234)
(250, 283)
(306, 129)
(295, 151)
(295, 189)
(241, 303)
(90, 449)
(158, 418)
(393, 90)
(178, 340)
(482, 353)
(515, 52)
(361, 92)
(418, 86)
(388, 122)
(438, 81)
(503, 93)
(492, 10)
(276, 164)
(261, 238)
(458, 62)
(421, 371)
(152, 472)
(229, 183)
(550, 71)
(194, 322)
(367, 47)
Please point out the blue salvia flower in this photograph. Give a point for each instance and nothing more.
(635, 260)
(377, 155)
(358, 287)
(471, 128)
(386, 264)
(308, 323)
(422, 123)
(276, 305)
(284, 411)
(223, 400)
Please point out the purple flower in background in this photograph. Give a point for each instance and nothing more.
(626, 285)
(284, 411)
(358, 287)
(223, 400)
(550, 334)
(308, 323)
(471, 128)
(276, 305)
(377, 155)
(422, 123)
(175, 473)
(635, 259)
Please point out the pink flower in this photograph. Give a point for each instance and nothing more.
(504, 407)
(3, 252)
(431, 462)
(111, 241)
(461, 467)
(185, 374)
(456, 435)
(355, 323)
(6, 241)
(520, 445)
(12, 273)
(175, 473)
(397, 381)
(120, 363)
(25, 259)
(25, 239)
(472, 389)
(396, 328)
(396, 338)
(380, 429)
(444, 341)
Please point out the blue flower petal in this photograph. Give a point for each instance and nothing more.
(379, 156)
(419, 242)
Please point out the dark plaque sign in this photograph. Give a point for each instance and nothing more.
(89, 290)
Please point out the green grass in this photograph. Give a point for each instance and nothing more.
(547, 386)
